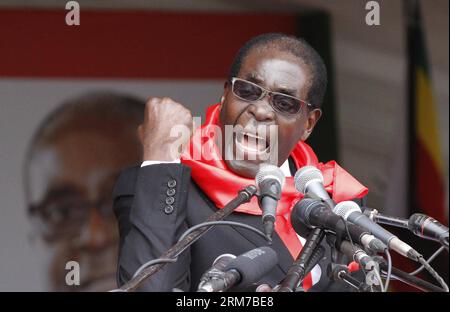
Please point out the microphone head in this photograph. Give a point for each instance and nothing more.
(267, 171)
(217, 268)
(300, 215)
(222, 261)
(306, 175)
(345, 208)
(426, 226)
(253, 265)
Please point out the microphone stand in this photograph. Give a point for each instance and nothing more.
(411, 279)
(243, 196)
(338, 271)
(397, 222)
(298, 270)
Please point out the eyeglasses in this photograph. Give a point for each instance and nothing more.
(250, 92)
(64, 217)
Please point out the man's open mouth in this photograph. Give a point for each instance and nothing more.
(251, 143)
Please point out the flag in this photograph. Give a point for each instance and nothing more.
(418, 183)
(426, 191)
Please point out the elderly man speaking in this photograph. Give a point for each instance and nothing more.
(271, 102)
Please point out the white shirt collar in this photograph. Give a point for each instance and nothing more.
(285, 168)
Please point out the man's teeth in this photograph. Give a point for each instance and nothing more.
(253, 136)
(256, 144)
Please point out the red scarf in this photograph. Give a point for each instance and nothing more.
(220, 184)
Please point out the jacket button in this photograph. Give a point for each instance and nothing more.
(168, 209)
(172, 183)
(171, 192)
(170, 200)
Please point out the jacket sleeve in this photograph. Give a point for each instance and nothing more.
(150, 206)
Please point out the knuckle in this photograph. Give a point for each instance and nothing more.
(186, 116)
(152, 103)
(166, 100)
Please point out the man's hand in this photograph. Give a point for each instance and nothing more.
(164, 117)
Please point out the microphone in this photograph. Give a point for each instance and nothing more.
(269, 181)
(351, 212)
(242, 271)
(217, 268)
(309, 180)
(427, 227)
(421, 225)
(310, 213)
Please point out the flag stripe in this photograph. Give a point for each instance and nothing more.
(429, 193)
(427, 126)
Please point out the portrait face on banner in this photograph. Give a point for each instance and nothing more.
(71, 171)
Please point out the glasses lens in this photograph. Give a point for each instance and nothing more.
(246, 90)
(286, 104)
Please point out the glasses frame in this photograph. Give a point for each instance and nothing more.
(270, 94)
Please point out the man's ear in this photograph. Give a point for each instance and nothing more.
(313, 117)
(226, 85)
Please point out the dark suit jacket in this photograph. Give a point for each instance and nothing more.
(155, 204)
